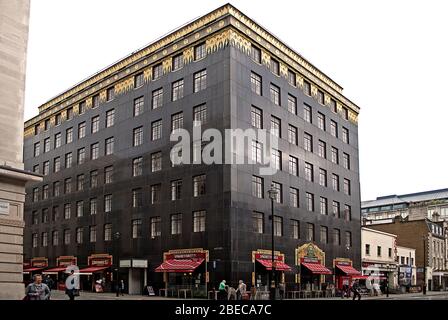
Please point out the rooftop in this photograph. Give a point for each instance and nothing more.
(440, 194)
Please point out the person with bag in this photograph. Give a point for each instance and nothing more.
(37, 290)
(70, 290)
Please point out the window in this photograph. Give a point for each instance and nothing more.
(334, 128)
(323, 206)
(323, 234)
(57, 140)
(35, 240)
(79, 209)
(368, 249)
(57, 164)
(346, 161)
(307, 88)
(37, 149)
(345, 135)
(68, 185)
(93, 206)
(333, 106)
(322, 149)
(322, 177)
(81, 130)
(348, 239)
(95, 124)
(390, 252)
(80, 182)
(200, 114)
(137, 198)
(276, 159)
(255, 54)
(81, 155)
(176, 190)
(199, 185)
(176, 223)
(292, 104)
(256, 117)
(156, 161)
(139, 104)
(295, 227)
(36, 168)
(275, 66)
(67, 211)
(309, 172)
(334, 155)
(294, 197)
(292, 135)
(108, 174)
(35, 194)
(257, 187)
(309, 232)
(199, 51)
(177, 121)
(110, 118)
(69, 113)
(47, 145)
(279, 188)
(276, 127)
(336, 209)
(137, 136)
(278, 226)
(156, 193)
(347, 188)
(95, 101)
(292, 78)
(157, 98)
(94, 151)
(200, 81)
(36, 129)
(257, 222)
(177, 90)
(156, 130)
(155, 226)
(35, 218)
(138, 80)
(308, 142)
(307, 113)
(310, 202)
(109, 146)
(157, 71)
(55, 238)
(92, 233)
(345, 113)
(199, 221)
(82, 107)
(67, 236)
(178, 62)
(56, 189)
(46, 168)
(293, 165)
(335, 182)
(108, 203)
(320, 97)
(45, 192)
(337, 237)
(256, 83)
(57, 119)
(137, 167)
(321, 121)
(108, 232)
(275, 94)
(94, 179)
(136, 228)
(110, 94)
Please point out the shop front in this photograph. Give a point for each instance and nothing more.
(58, 273)
(386, 274)
(262, 272)
(440, 280)
(137, 275)
(312, 271)
(35, 266)
(344, 273)
(98, 276)
(185, 272)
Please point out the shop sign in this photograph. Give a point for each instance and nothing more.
(65, 261)
(125, 263)
(139, 263)
(100, 260)
(4, 208)
(39, 262)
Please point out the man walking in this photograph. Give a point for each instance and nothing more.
(356, 289)
(222, 290)
(37, 290)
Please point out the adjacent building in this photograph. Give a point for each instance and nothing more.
(111, 195)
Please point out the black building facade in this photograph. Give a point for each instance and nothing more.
(114, 128)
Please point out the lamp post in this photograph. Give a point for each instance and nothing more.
(273, 196)
(424, 265)
(117, 238)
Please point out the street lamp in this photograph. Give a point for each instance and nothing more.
(273, 193)
(117, 238)
(424, 265)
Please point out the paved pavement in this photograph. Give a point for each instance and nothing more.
(432, 295)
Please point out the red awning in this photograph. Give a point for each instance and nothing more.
(57, 269)
(32, 269)
(316, 268)
(179, 265)
(279, 265)
(89, 270)
(348, 270)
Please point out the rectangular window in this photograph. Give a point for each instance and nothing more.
(310, 202)
(308, 142)
(177, 121)
(178, 62)
(136, 228)
(335, 182)
(137, 167)
(45, 192)
(94, 151)
(95, 101)
(35, 218)
(81, 130)
(257, 152)
(35, 240)
(337, 237)
(307, 113)
(79, 209)
(367, 249)
(80, 182)
(177, 90)
(157, 98)
(176, 223)
(109, 146)
(257, 187)
(334, 155)
(108, 232)
(295, 228)
(275, 67)
(346, 161)
(278, 226)
(200, 81)
(67, 236)
(292, 135)
(56, 189)
(95, 125)
(57, 164)
(67, 211)
(110, 94)
(309, 172)
(333, 106)
(199, 185)
(68, 185)
(110, 118)
(292, 104)
(320, 97)
(257, 117)
(108, 174)
(69, 114)
(293, 165)
(93, 179)
(309, 232)
(156, 227)
(276, 127)
(55, 238)
(255, 54)
(81, 155)
(323, 206)
(345, 135)
(293, 197)
(347, 212)
(200, 114)
(157, 71)
(139, 104)
(321, 121)
(108, 203)
(138, 80)
(347, 187)
(199, 221)
(324, 235)
(292, 78)
(345, 113)
(93, 206)
(92, 234)
(137, 136)
(307, 88)
(176, 190)
(57, 140)
(69, 135)
(156, 130)
(322, 149)
(334, 128)
(45, 216)
(37, 149)
(336, 209)
(47, 145)
(276, 159)
(257, 222)
(256, 83)
(199, 51)
(275, 94)
(322, 177)
(156, 161)
(156, 193)
(279, 188)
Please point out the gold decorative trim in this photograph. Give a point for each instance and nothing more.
(188, 55)
(124, 86)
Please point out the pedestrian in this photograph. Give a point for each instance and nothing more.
(355, 290)
(49, 282)
(222, 290)
(241, 291)
(122, 287)
(281, 290)
(37, 290)
(70, 290)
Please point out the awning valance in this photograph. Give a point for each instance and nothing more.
(279, 265)
(57, 269)
(179, 265)
(348, 270)
(316, 268)
(32, 269)
(90, 270)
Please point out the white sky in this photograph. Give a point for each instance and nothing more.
(390, 56)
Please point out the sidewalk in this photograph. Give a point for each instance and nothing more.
(391, 296)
